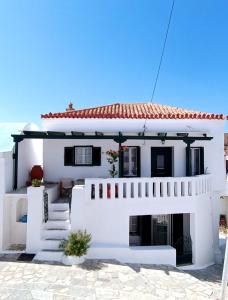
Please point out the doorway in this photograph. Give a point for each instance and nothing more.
(168, 229)
(161, 161)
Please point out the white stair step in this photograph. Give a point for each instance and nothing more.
(49, 255)
(50, 244)
(59, 214)
(55, 233)
(57, 224)
(58, 206)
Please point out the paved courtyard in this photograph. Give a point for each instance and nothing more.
(104, 280)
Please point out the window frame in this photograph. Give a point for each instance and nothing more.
(83, 165)
(138, 157)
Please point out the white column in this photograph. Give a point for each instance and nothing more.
(35, 218)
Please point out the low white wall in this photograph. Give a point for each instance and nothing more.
(6, 179)
(145, 255)
(36, 214)
(14, 232)
(35, 218)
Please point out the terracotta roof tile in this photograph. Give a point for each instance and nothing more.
(133, 111)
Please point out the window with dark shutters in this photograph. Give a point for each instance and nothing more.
(69, 156)
(96, 156)
(194, 161)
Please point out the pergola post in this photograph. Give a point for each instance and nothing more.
(188, 141)
(15, 157)
(120, 161)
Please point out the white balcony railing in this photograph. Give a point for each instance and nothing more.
(146, 188)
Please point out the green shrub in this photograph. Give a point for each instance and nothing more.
(36, 182)
(77, 243)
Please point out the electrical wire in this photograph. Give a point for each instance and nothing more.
(161, 58)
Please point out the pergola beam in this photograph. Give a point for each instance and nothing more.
(117, 138)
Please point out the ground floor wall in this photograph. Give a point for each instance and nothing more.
(108, 222)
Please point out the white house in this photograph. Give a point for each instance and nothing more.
(162, 207)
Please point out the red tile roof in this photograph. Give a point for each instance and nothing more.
(133, 111)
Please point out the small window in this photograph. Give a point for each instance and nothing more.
(84, 155)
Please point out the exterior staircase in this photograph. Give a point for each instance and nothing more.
(54, 230)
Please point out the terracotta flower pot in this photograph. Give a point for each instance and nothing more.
(37, 172)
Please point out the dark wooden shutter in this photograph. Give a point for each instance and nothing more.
(188, 162)
(69, 156)
(138, 162)
(96, 156)
(201, 160)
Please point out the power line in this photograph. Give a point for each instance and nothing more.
(161, 57)
(163, 50)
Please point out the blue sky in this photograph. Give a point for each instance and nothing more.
(97, 52)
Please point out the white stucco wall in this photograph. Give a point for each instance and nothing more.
(54, 168)
(114, 218)
(108, 222)
(30, 153)
(14, 232)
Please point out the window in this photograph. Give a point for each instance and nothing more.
(197, 161)
(130, 162)
(83, 155)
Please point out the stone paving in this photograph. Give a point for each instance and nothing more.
(104, 280)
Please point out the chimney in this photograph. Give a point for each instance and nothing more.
(70, 107)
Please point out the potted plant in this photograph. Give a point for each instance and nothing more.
(36, 182)
(75, 247)
(37, 172)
